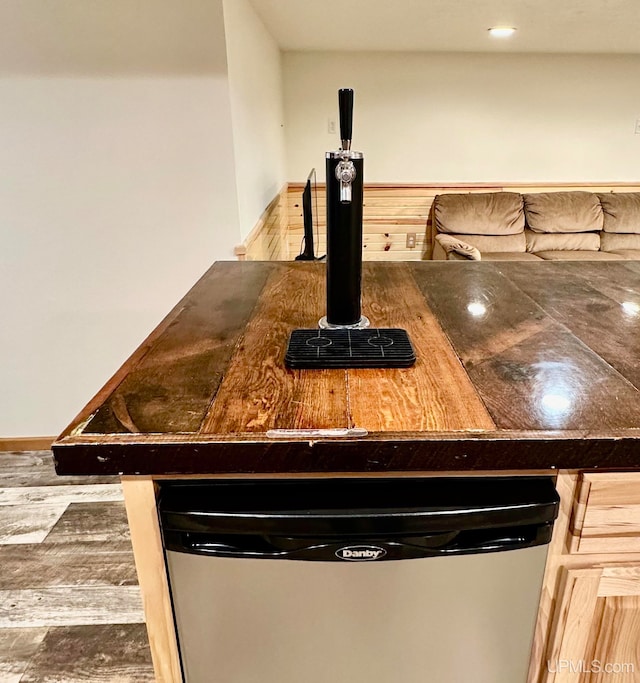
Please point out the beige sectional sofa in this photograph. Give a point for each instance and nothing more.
(551, 226)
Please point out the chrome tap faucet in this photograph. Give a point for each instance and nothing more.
(346, 174)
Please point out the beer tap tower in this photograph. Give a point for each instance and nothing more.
(345, 339)
(344, 227)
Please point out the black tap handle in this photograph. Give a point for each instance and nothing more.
(345, 102)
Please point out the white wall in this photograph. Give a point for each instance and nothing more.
(255, 86)
(115, 189)
(469, 117)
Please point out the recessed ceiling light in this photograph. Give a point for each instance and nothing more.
(502, 31)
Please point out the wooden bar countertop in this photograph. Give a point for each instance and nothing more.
(520, 366)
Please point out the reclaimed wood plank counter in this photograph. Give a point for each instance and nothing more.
(521, 367)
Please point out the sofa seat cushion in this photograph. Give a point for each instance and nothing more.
(621, 211)
(572, 241)
(509, 256)
(627, 254)
(579, 256)
(563, 212)
(483, 213)
(611, 241)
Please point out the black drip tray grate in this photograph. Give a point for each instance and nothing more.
(368, 348)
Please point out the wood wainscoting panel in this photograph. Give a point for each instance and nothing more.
(391, 211)
(267, 241)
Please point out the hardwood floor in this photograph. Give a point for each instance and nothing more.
(70, 607)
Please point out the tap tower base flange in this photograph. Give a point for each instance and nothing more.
(324, 324)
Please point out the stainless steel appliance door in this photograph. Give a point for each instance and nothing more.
(440, 620)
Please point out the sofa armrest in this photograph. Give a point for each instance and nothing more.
(457, 246)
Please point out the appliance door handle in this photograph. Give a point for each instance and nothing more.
(330, 549)
(284, 546)
(513, 542)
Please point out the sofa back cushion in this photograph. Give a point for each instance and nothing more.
(573, 241)
(553, 212)
(495, 243)
(484, 213)
(611, 241)
(621, 212)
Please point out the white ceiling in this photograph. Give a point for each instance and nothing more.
(581, 26)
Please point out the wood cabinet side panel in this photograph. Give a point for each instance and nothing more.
(140, 501)
(565, 485)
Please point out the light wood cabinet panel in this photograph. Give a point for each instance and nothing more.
(590, 603)
(606, 515)
(596, 628)
(140, 501)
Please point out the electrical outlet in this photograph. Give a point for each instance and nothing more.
(331, 126)
(637, 129)
(411, 240)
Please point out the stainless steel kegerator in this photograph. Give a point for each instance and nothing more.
(380, 580)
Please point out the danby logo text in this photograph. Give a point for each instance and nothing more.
(360, 553)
